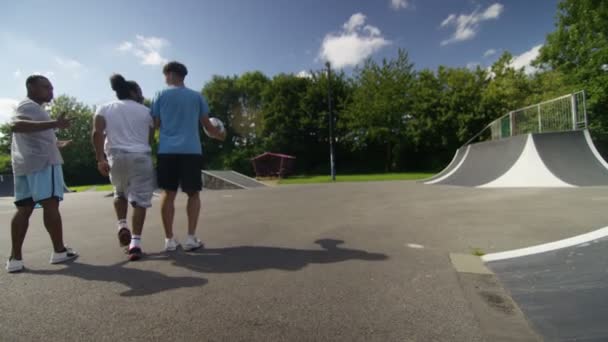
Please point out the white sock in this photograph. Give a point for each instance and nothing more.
(191, 237)
(122, 224)
(135, 241)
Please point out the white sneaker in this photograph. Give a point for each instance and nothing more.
(192, 244)
(68, 254)
(171, 245)
(14, 265)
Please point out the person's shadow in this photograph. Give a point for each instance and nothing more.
(211, 260)
(253, 258)
(139, 282)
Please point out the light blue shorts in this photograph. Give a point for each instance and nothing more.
(35, 187)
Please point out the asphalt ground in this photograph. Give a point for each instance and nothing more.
(332, 262)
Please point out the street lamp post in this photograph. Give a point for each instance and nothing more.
(331, 124)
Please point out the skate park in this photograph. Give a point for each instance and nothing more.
(484, 251)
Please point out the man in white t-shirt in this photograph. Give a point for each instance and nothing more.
(122, 133)
(37, 169)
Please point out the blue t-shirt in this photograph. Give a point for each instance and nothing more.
(179, 110)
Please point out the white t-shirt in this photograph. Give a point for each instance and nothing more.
(32, 152)
(128, 126)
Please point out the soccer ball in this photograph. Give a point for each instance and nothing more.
(216, 123)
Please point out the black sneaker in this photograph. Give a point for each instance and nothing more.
(135, 253)
(124, 237)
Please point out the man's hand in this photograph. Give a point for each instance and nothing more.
(103, 167)
(63, 122)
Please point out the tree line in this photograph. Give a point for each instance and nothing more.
(388, 115)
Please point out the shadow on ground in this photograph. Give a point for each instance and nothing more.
(255, 258)
(139, 282)
(212, 260)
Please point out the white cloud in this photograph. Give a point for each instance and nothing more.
(489, 53)
(71, 66)
(467, 25)
(17, 73)
(7, 108)
(304, 74)
(525, 59)
(399, 4)
(354, 44)
(473, 65)
(125, 46)
(68, 63)
(372, 31)
(450, 19)
(47, 74)
(356, 20)
(493, 12)
(147, 49)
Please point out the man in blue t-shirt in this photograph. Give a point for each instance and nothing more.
(178, 111)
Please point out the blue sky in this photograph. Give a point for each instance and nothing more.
(78, 44)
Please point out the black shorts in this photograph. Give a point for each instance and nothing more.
(180, 171)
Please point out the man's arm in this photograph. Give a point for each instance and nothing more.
(23, 124)
(99, 137)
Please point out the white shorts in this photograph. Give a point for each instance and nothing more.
(133, 177)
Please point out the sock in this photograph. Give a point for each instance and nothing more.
(135, 241)
(122, 224)
(191, 237)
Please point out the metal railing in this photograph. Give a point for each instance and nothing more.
(565, 113)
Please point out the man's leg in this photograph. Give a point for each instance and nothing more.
(121, 206)
(168, 172)
(139, 216)
(53, 223)
(119, 176)
(168, 211)
(19, 226)
(141, 189)
(192, 184)
(193, 210)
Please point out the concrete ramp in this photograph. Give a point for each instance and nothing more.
(485, 162)
(215, 179)
(455, 163)
(572, 157)
(564, 159)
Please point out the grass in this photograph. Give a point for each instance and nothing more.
(355, 178)
(477, 252)
(98, 187)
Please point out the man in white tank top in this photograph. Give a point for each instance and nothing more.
(121, 135)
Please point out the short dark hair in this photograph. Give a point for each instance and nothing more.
(175, 67)
(31, 80)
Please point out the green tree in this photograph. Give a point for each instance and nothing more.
(578, 50)
(380, 107)
(283, 115)
(237, 101)
(507, 89)
(79, 159)
(5, 164)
